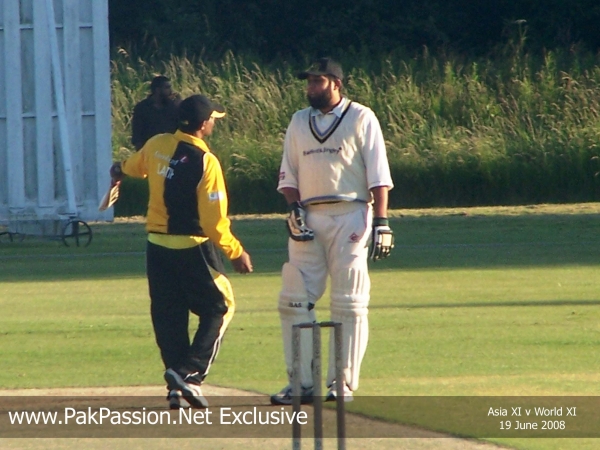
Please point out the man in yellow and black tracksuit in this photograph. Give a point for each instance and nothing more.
(187, 211)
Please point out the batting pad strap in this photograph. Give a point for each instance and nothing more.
(381, 222)
(291, 306)
(343, 309)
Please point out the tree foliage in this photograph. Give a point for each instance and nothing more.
(273, 29)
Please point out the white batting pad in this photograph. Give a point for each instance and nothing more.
(349, 305)
(294, 309)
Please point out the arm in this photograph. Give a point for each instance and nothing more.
(291, 195)
(134, 166)
(382, 236)
(288, 186)
(212, 209)
(380, 182)
(288, 170)
(375, 157)
(296, 221)
(380, 201)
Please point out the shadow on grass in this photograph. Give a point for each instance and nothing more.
(488, 304)
(407, 306)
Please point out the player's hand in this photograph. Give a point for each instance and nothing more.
(243, 264)
(382, 239)
(116, 174)
(296, 224)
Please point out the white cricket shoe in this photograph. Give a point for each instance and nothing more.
(332, 393)
(192, 393)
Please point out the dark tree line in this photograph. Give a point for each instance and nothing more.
(270, 29)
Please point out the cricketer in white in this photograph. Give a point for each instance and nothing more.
(335, 177)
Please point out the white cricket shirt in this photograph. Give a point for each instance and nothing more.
(336, 156)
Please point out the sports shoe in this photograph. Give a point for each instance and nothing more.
(176, 401)
(332, 393)
(191, 392)
(173, 397)
(284, 397)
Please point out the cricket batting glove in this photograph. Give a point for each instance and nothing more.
(382, 239)
(296, 224)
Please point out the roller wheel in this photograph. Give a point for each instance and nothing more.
(76, 232)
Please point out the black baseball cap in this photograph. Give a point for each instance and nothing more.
(324, 67)
(198, 108)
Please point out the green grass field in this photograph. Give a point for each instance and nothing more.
(480, 301)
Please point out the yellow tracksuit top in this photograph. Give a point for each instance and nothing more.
(188, 198)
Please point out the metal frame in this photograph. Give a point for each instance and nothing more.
(71, 230)
(316, 375)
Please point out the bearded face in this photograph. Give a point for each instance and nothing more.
(321, 96)
(319, 100)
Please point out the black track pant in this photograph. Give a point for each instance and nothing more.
(181, 281)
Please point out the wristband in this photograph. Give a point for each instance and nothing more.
(381, 222)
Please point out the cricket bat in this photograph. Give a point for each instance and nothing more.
(111, 196)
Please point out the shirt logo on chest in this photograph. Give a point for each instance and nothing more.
(331, 151)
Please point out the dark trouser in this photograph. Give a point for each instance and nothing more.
(181, 281)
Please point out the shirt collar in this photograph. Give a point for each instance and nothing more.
(338, 110)
(180, 135)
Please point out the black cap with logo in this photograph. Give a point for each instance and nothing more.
(323, 67)
(194, 110)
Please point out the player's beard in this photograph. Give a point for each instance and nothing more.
(320, 101)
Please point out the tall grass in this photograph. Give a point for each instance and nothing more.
(514, 129)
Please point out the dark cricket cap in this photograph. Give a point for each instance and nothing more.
(196, 109)
(158, 82)
(325, 67)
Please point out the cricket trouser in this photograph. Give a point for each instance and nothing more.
(180, 281)
(340, 251)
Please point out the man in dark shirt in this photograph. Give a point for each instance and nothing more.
(156, 114)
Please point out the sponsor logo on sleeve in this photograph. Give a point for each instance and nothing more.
(215, 196)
